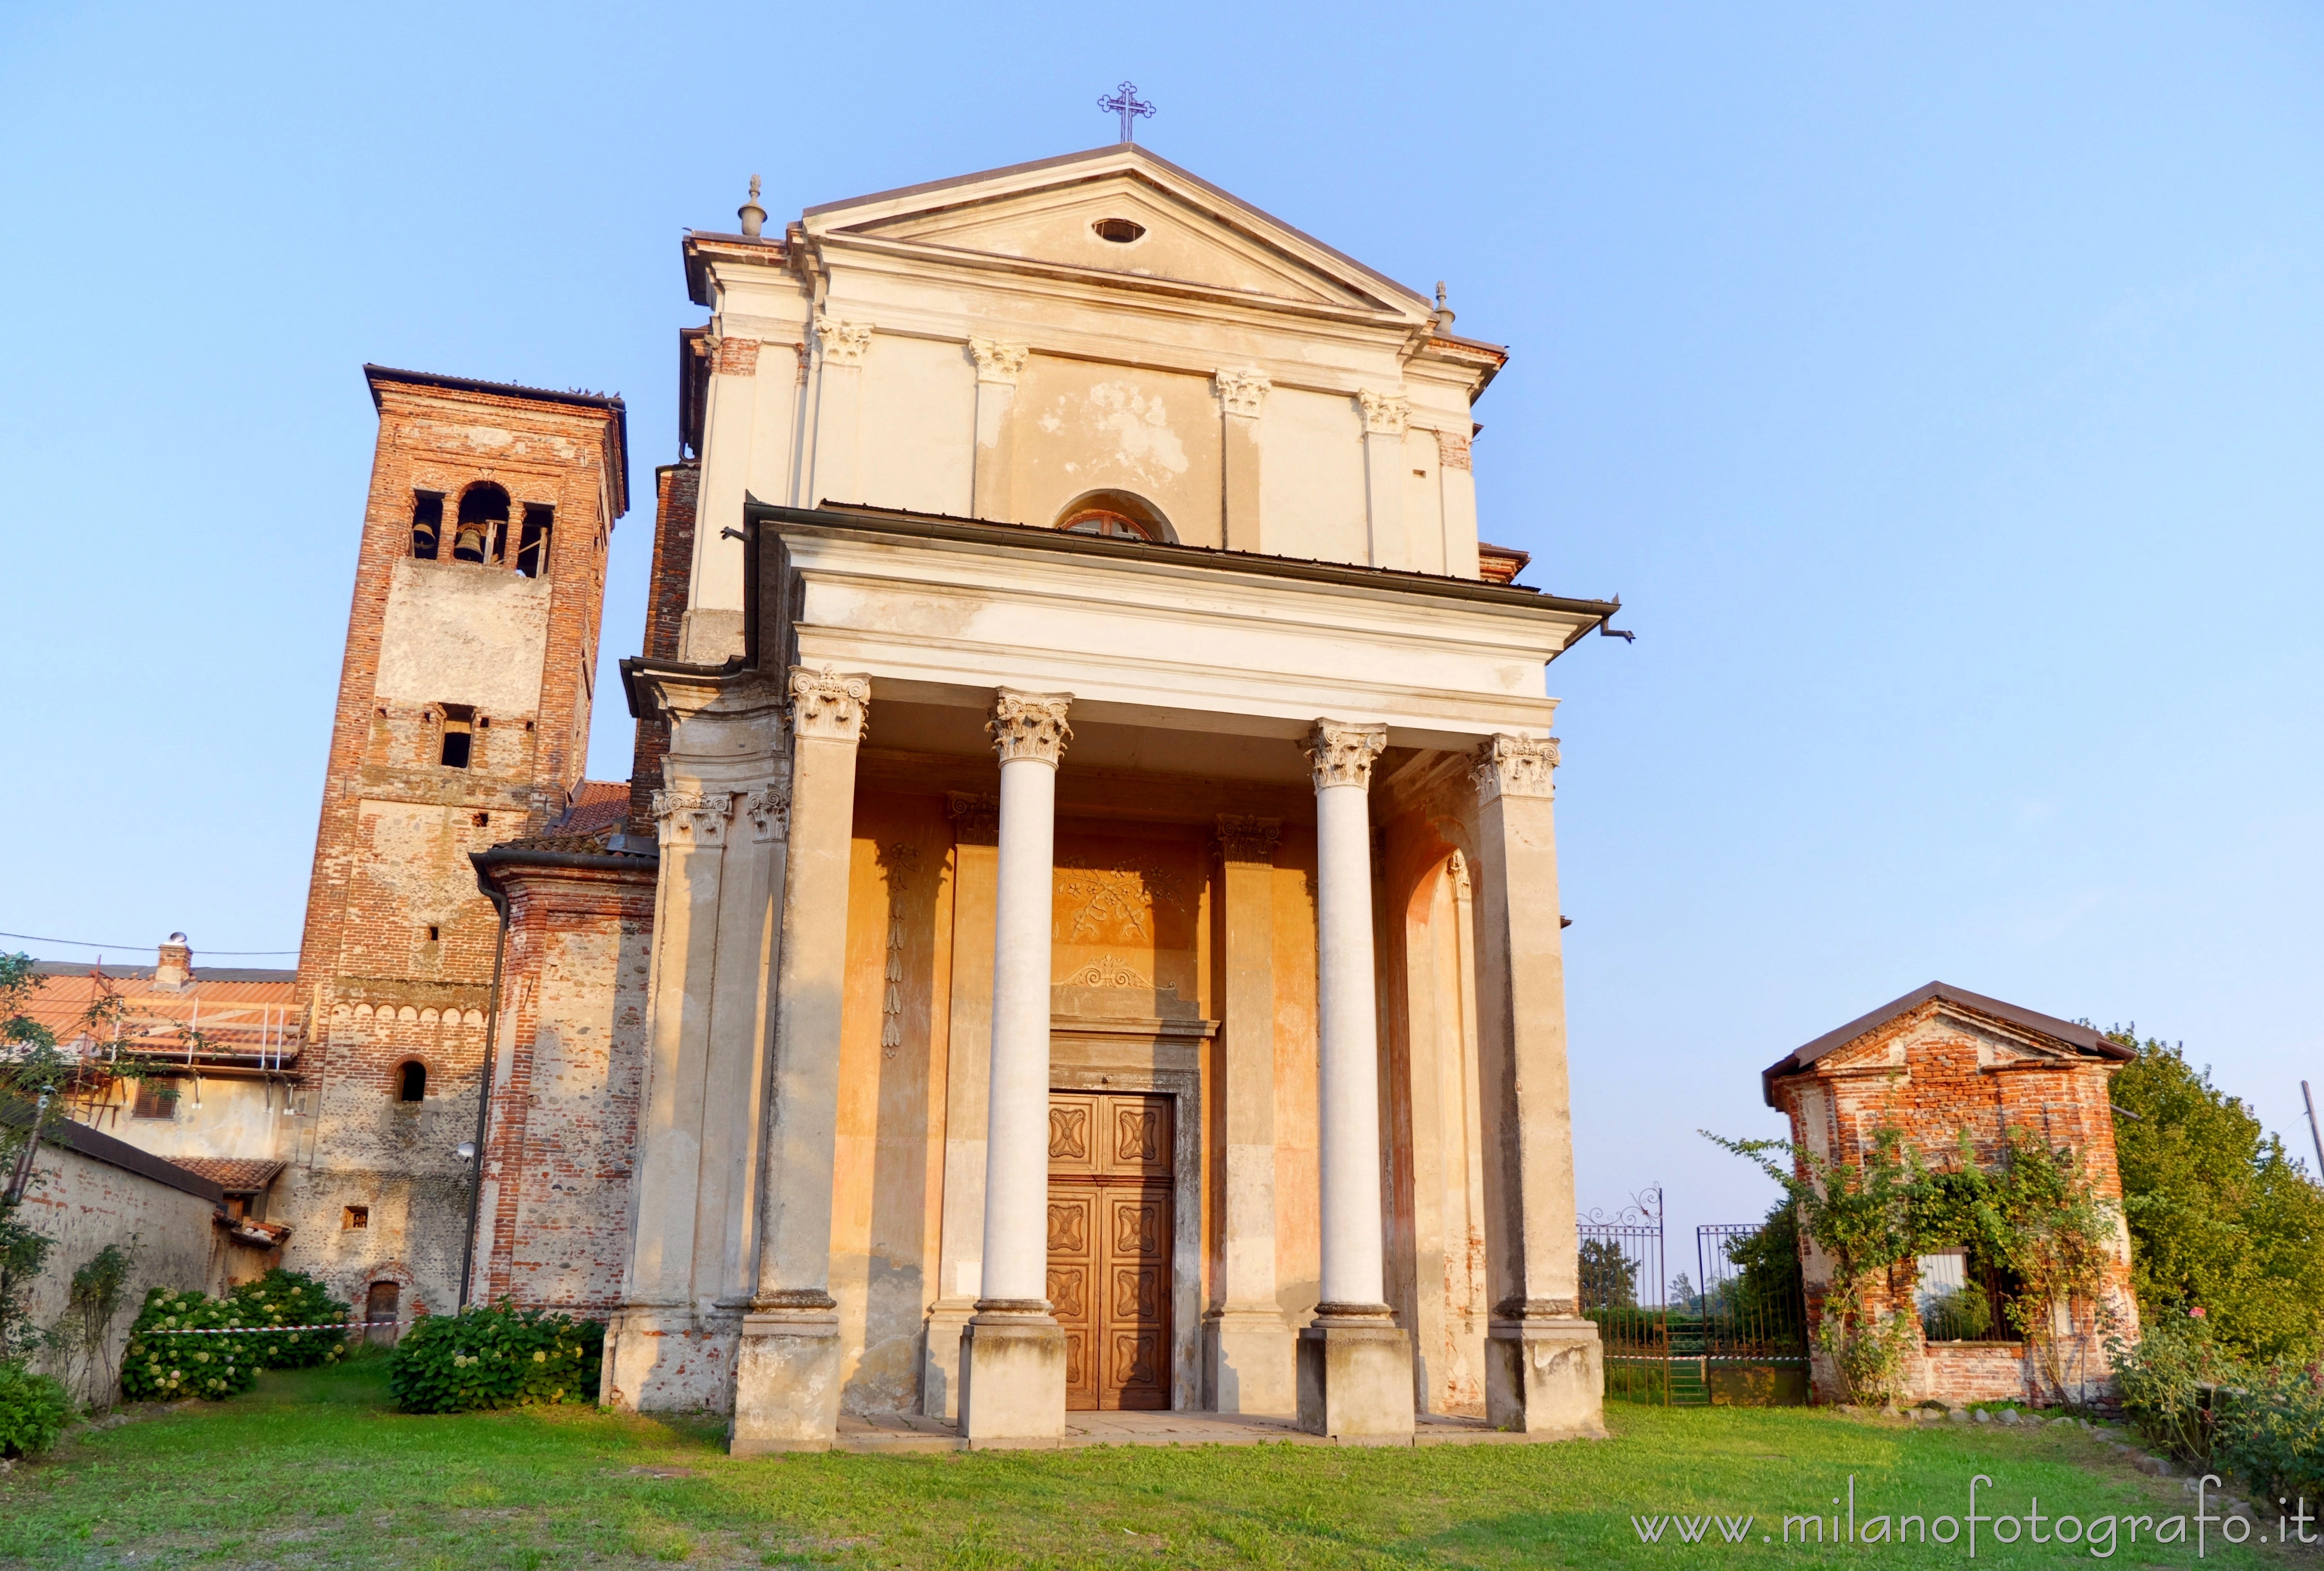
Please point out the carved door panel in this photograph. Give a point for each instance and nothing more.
(1109, 1161)
(1136, 1260)
(1073, 1283)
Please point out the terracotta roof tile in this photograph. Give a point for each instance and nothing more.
(234, 1175)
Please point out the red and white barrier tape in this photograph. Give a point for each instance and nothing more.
(266, 1330)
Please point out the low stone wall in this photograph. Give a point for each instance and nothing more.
(90, 1190)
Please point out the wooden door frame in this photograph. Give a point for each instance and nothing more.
(1156, 1057)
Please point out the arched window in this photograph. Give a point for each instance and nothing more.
(481, 535)
(1117, 515)
(411, 1082)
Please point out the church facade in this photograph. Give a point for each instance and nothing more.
(1082, 931)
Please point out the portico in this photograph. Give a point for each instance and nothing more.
(1066, 819)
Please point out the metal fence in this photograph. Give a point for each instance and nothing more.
(1734, 1335)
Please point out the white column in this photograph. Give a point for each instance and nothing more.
(1354, 1363)
(1013, 1369)
(1346, 1012)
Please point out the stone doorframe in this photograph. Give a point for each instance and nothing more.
(1159, 1057)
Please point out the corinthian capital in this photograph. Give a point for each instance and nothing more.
(1242, 392)
(693, 817)
(769, 808)
(1385, 413)
(827, 704)
(843, 343)
(1342, 753)
(998, 362)
(1514, 766)
(1029, 726)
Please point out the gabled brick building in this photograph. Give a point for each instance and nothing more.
(1939, 1062)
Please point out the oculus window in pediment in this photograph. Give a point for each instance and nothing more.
(1125, 226)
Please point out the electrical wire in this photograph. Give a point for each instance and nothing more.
(132, 948)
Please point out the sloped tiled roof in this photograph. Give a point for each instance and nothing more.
(234, 1175)
(597, 805)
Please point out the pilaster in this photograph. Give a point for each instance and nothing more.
(992, 485)
(1543, 1366)
(787, 1366)
(1243, 400)
(1247, 1348)
(839, 417)
(1386, 416)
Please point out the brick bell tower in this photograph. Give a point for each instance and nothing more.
(463, 721)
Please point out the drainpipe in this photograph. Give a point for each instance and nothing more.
(491, 893)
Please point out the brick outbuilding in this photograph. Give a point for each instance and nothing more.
(1939, 1062)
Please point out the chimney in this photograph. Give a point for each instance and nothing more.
(174, 967)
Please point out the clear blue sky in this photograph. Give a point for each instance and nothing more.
(1940, 387)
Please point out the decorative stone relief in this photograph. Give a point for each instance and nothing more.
(999, 361)
(1109, 972)
(827, 704)
(1029, 726)
(1242, 392)
(1342, 754)
(1249, 839)
(1385, 413)
(900, 863)
(1457, 867)
(843, 343)
(1091, 900)
(1514, 766)
(1452, 450)
(769, 808)
(693, 817)
(736, 357)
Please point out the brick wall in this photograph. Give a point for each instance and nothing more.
(396, 964)
(1937, 1074)
(678, 490)
(553, 1230)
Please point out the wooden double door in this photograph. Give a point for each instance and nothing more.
(1109, 1246)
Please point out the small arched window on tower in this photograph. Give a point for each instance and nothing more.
(481, 535)
(459, 736)
(532, 542)
(427, 523)
(1117, 515)
(411, 1081)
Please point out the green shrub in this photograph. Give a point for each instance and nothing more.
(163, 1364)
(2271, 1432)
(2162, 1380)
(33, 1411)
(499, 1356)
(282, 1298)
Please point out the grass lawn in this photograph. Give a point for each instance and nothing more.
(313, 1469)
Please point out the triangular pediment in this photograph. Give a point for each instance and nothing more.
(1062, 211)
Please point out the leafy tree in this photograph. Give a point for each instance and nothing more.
(2221, 1217)
(1610, 1278)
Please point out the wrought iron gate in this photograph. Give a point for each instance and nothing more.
(1734, 1335)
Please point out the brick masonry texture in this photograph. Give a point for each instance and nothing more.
(1936, 1074)
(554, 1228)
(397, 961)
(678, 490)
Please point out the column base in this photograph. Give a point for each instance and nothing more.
(940, 1370)
(786, 1381)
(1355, 1376)
(1248, 1362)
(668, 1358)
(1545, 1377)
(1013, 1378)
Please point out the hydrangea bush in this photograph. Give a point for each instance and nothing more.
(496, 1356)
(233, 1346)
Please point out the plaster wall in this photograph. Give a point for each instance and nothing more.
(214, 1116)
(458, 632)
(919, 426)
